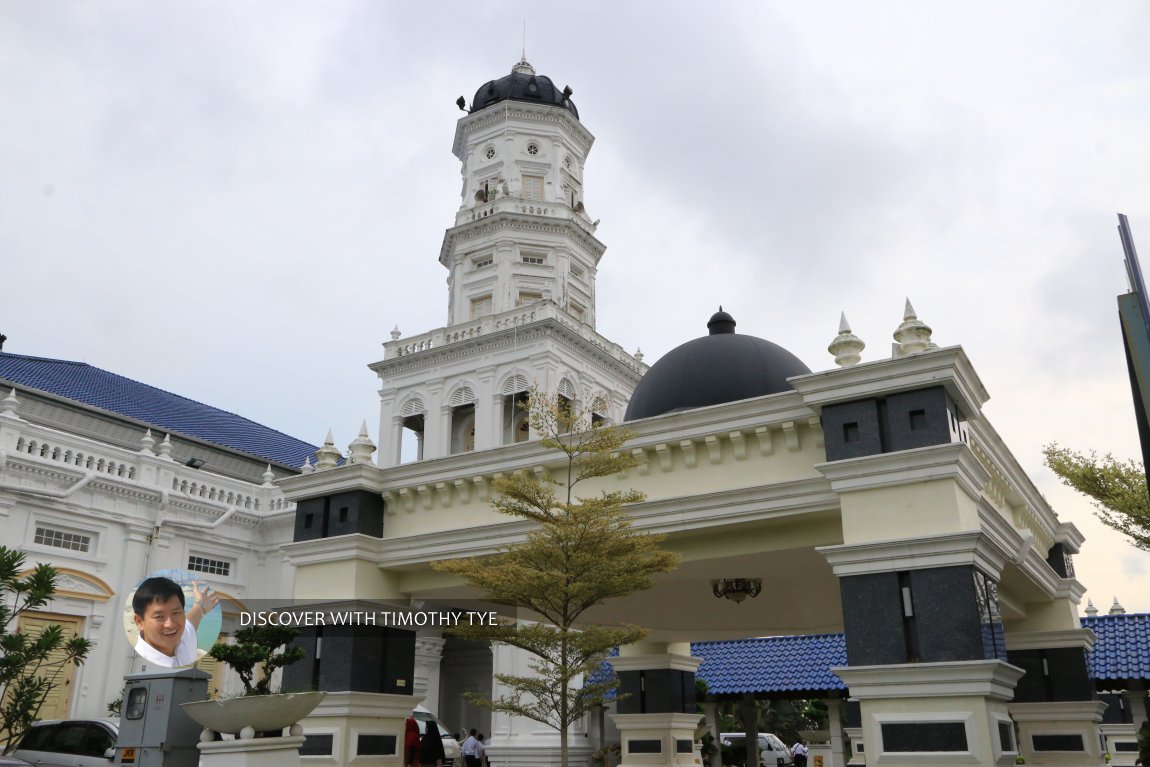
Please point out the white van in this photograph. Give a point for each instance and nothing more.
(772, 751)
(424, 718)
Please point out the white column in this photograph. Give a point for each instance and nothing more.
(428, 657)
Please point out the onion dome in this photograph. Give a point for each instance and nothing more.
(523, 85)
(717, 368)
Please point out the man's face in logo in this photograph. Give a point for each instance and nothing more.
(162, 624)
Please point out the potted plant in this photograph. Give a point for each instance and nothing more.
(258, 651)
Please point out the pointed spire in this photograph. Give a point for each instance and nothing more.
(361, 448)
(638, 354)
(327, 457)
(166, 448)
(10, 406)
(395, 334)
(269, 477)
(146, 443)
(846, 346)
(1091, 610)
(307, 468)
(913, 335)
(1117, 609)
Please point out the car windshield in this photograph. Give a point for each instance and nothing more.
(422, 718)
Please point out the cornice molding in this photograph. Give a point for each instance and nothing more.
(1061, 711)
(671, 661)
(341, 479)
(336, 549)
(924, 464)
(987, 678)
(970, 548)
(520, 110)
(547, 328)
(948, 367)
(519, 222)
(1045, 640)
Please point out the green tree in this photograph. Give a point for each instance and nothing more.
(1118, 488)
(30, 664)
(256, 648)
(581, 552)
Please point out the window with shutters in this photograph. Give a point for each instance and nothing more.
(533, 187)
(481, 306)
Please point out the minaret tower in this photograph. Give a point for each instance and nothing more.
(521, 233)
(522, 259)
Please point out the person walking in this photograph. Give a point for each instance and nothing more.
(799, 752)
(480, 751)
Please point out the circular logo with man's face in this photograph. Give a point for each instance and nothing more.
(172, 618)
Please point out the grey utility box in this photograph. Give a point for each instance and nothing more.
(154, 730)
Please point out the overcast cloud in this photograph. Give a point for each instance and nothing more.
(237, 201)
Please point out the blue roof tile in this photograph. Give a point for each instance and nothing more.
(784, 664)
(164, 411)
(1123, 647)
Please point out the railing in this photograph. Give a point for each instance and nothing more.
(518, 317)
(49, 445)
(74, 456)
(511, 204)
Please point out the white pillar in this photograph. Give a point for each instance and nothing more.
(428, 657)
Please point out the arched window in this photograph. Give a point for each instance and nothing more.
(516, 420)
(462, 420)
(411, 440)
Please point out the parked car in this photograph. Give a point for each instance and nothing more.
(772, 751)
(70, 743)
(451, 750)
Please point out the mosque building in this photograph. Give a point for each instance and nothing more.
(871, 500)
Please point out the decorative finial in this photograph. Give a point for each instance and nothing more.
(395, 334)
(307, 468)
(166, 448)
(913, 335)
(327, 457)
(1117, 609)
(361, 448)
(846, 346)
(638, 354)
(10, 406)
(269, 476)
(146, 443)
(1091, 610)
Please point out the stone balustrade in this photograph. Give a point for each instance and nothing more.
(493, 323)
(48, 446)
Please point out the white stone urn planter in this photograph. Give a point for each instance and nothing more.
(253, 713)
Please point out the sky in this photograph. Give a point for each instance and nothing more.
(237, 201)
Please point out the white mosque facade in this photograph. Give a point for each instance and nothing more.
(872, 498)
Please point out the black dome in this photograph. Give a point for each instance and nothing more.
(717, 368)
(523, 85)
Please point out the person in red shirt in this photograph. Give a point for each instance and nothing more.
(411, 743)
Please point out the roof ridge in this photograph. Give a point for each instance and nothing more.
(48, 359)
